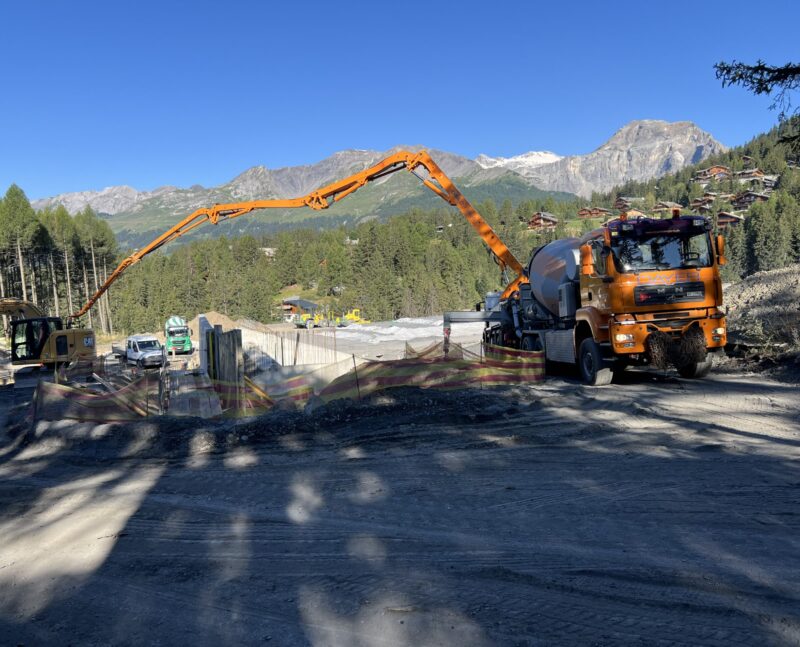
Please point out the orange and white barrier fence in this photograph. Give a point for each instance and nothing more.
(440, 367)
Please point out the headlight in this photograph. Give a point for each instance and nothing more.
(718, 331)
(623, 337)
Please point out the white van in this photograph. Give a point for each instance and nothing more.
(144, 350)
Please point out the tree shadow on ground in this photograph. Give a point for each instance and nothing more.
(505, 516)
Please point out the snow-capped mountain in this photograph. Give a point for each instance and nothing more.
(518, 163)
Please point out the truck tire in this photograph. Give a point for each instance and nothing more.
(695, 370)
(531, 343)
(591, 364)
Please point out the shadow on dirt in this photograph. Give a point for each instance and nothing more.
(506, 516)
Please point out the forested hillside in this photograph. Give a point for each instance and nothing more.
(54, 259)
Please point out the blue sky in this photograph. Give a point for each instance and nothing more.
(153, 93)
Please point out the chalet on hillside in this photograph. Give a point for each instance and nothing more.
(625, 202)
(702, 205)
(542, 220)
(757, 177)
(746, 198)
(727, 219)
(632, 214)
(747, 159)
(745, 175)
(717, 173)
(666, 207)
(594, 212)
(719, 196)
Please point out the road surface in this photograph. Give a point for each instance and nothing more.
(656, 512)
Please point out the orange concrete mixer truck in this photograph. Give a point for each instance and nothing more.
(637, 291)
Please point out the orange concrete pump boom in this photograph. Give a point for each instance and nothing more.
(323, 198)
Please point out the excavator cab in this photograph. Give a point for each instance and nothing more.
(43, 340)
(30, 336)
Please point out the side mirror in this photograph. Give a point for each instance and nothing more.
(721, 260)
(587, 262)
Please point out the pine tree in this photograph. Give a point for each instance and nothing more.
(735, 253)
(768, 240)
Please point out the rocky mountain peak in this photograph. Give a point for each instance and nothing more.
(639, 150)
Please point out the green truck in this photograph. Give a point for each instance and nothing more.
(178, 336)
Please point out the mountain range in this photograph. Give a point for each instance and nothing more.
(639, 151)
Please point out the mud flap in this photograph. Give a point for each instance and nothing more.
(663, 350)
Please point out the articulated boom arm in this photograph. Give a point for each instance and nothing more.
(323, 198)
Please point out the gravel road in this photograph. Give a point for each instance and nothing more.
(655, 512)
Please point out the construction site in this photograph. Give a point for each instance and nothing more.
(603, 451)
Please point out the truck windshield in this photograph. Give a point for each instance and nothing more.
(660, 251)
(149, 344)
(178, 332)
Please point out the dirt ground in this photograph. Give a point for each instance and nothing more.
(764, 308)
(658, 511)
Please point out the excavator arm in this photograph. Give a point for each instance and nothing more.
(420, 164)
(19, 309)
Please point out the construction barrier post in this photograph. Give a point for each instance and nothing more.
(355, 370)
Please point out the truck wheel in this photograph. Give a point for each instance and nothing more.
(593, 369)
(694, 370)
(531, 343)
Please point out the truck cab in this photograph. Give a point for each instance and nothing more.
(145, 351)
(177, 335)
(651, 293)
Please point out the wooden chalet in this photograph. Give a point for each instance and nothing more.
(719, 196)
(594, 212)
(542, 220)
(746, 198)
(623, 203)
(665, 206)
(748, 174)
(727, 219)
(706, 175)
(702, 205)
(747, 159)
(632, 214)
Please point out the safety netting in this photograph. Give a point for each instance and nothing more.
(441, 366)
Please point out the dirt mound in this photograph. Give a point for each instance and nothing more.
(215, 319)
(765, 308)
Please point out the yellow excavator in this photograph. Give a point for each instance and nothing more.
(419, 164)
(39, 339)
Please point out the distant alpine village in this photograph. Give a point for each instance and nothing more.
(755, 185)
